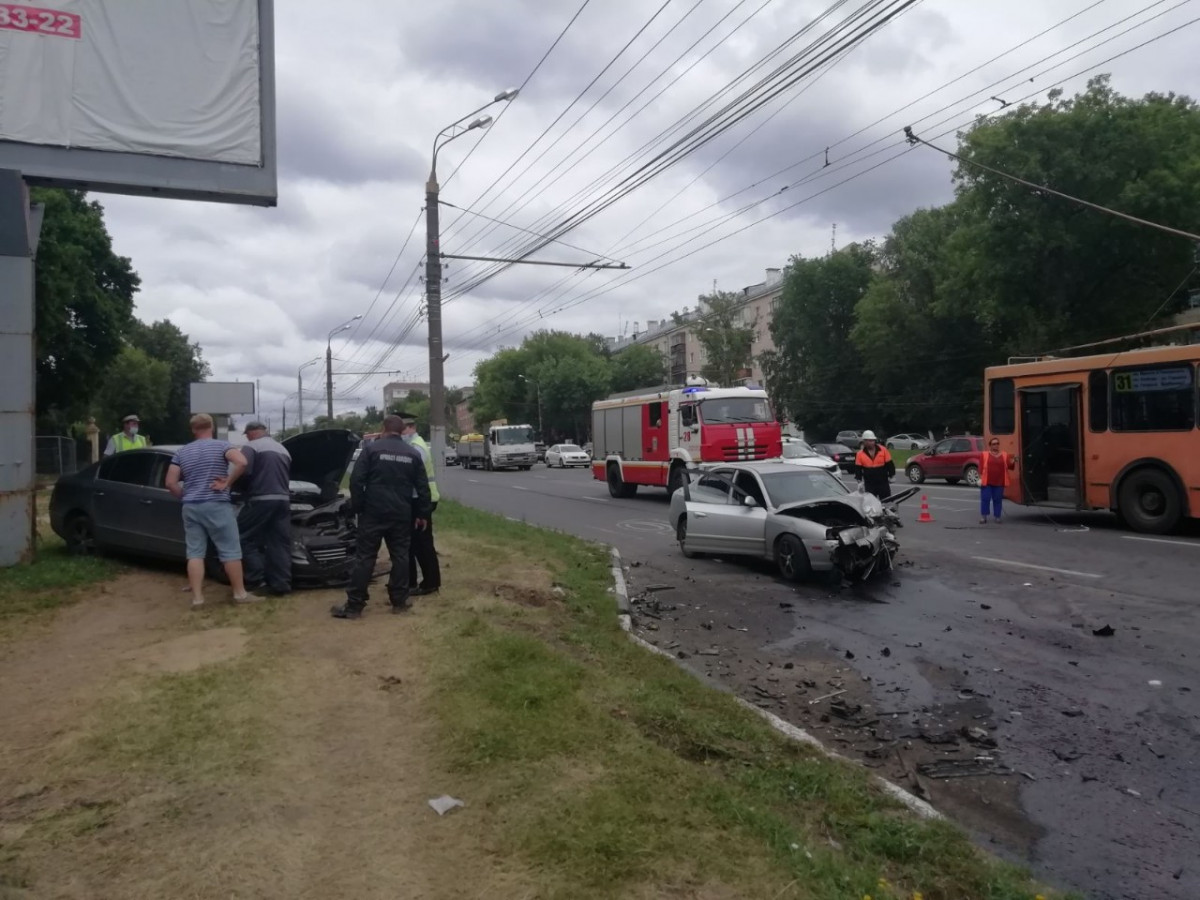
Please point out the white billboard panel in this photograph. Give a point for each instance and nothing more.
(222, 398)
(166, 97)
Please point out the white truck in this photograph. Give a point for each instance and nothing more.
(503, 447)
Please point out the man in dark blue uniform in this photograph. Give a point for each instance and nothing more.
(389, 493)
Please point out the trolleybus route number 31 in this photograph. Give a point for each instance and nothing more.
(1152, 380)
(33, 19)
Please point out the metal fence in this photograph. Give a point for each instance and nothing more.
(57, 455)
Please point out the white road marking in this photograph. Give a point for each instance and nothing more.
(517, 487)
(1152, 540)
(596, 499)
(1025, 565)
(473, 480)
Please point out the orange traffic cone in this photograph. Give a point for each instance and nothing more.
(925, 516)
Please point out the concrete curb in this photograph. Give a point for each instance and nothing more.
(787, 729)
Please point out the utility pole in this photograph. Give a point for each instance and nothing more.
(433, 313)
(329, 383)
(299, 398)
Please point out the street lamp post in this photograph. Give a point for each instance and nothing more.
(300, 388)
(538, 385)
(345, 326)
(433, 278)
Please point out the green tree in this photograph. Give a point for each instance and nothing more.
(725, 336)
(918, 332)
(1043, 272)
(164, 342)
(637, 366)
(134, 382)
(816, 373)
(84, 305)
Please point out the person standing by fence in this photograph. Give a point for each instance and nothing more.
(994, 468)
(127, 438)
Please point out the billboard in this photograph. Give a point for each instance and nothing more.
(172, 99)
(222, 398)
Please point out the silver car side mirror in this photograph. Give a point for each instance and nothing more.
(750, 501)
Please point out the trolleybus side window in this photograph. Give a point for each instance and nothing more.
(1098, 400)
(1154, 398)
(1003, 406)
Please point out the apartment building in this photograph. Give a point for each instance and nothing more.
(680, 346)
(398, 391)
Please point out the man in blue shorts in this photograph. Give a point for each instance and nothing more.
(200, 476)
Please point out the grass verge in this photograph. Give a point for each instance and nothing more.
(614, 773)
(56, 577)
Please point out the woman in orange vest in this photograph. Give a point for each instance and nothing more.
(994, 467)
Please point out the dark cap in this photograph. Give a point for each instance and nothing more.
(254, 426)
(406, 416)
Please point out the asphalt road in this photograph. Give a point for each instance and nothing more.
(973, 674)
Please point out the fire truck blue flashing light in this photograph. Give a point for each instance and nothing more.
(694, 390)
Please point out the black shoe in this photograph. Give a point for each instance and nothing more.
(401, 608)
(346, 611)
(270, 592)
(422, 591)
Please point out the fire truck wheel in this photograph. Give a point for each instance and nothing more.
(616, 487)
(674, 479)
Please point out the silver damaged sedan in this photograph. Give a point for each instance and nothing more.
(804, 520)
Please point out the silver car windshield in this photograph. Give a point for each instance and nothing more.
(801, 484)
(570, 448)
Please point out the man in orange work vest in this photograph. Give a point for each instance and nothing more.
(994, 467)
(873, 466)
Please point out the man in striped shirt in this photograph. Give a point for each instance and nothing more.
(200, 476)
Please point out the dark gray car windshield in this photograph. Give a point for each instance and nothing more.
(801, 484)
(728, 410)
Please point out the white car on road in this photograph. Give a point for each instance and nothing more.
(908, 442)
(797, 453)
(567, 455)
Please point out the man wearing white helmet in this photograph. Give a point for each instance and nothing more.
(873, 466)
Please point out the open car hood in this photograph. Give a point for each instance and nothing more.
(322, 457)
(846, 510)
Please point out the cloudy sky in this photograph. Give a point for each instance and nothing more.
(359, 105)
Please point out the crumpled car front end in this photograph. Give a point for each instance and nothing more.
(852, 534)
(322, 545)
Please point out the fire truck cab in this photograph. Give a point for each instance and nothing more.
(650, 438)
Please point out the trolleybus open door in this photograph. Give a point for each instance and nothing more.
(1051, 466)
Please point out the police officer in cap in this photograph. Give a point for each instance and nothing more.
(389, 492)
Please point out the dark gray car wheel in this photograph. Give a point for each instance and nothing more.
(792, 558)
(79, 536)
(1150, 502)
(915, 474)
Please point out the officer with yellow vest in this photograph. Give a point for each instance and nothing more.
(127, 438)
(421, 550)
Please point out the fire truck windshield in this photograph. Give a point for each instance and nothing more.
(514, 434)
(730, 410)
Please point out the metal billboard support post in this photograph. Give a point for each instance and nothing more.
(19, 229)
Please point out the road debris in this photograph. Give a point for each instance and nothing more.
(1106, 631)
(962, 768)
(443, 804)
(826, 696)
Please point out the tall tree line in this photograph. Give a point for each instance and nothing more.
(94, 357)
(896, 336)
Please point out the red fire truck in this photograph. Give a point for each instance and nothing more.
(649, 438)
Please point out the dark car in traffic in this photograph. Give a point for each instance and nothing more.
(839, 453)
(122, 504)
(955, 459)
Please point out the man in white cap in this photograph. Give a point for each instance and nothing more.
(873, 466)
(127, 438)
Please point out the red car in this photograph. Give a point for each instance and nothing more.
(955, 459)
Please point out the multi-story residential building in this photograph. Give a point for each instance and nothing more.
(464, 419)
(680, 346)
(397, 391)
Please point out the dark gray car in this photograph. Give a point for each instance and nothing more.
(122, 504)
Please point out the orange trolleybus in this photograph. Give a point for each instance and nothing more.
(1115, 431)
